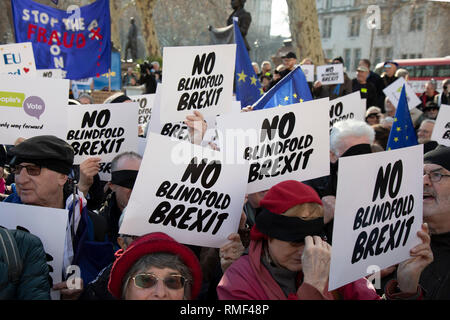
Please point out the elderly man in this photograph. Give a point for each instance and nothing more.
(390, 67)
(429, 94)
(47, 161)
(435, 279)
(124, 170)
(367, 90)
(425, 130)
(347, 138)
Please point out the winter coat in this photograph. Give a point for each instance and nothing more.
(248, 279)
(435, 279)
(33, 283)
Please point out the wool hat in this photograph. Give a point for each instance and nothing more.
(47, 151)
(281, 198)
(147, 244)
(289, 55)
(439, 156)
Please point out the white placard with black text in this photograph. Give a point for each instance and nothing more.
(378, 212)
(194, 196)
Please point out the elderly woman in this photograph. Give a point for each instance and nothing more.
(155, 267)
(288, 259)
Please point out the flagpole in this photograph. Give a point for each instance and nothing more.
(109, 79)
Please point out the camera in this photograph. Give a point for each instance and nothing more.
(146, 66)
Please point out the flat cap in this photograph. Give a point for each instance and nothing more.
(47, 151)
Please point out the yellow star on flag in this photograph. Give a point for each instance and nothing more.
(286, 98)
(242, 76)
(301, 100)
(395, 119)
(396, 139)
(253, 80)
(406, 137)
(295, 95)
(279, 105)
(399, 129)
(261, 91)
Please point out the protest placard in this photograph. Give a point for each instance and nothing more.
(194, 197)
(146, 102)
(378, 212)
(77, 40)
(308, 71)
(38, 221)
(350, 106)
(441, 131)
(31, 107)
(197, 78)
(51, 73)
(394, 90)
(102, 130)
(330, 74)
(282, 143)
(17, 59)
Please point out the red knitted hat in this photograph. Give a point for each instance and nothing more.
(152, 243)
(283, 196)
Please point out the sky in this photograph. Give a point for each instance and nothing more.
(279, 23)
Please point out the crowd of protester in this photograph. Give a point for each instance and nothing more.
(287, 260)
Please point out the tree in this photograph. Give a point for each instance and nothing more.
(305, 33)
(146, 9)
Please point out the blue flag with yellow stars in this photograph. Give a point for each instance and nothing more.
(248, 87)
(402, 132)
(293, 88)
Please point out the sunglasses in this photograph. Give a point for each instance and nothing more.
(148, 280)
(32, 169)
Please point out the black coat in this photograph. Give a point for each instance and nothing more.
(435, 279)
(367, 91)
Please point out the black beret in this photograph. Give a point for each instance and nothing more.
(290, 55)
(439, 156)
(47, 151)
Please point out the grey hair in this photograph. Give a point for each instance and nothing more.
(88, 96)
(159, 260)
(428, 120)
(128, 155)
(349, 128)
(401, 73)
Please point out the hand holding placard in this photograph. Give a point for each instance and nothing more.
(408, 272)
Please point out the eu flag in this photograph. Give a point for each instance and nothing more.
(248, 88)
(402, 132)
(293, 88)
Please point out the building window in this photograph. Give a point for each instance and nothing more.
(329, 54)
(412, 56)
(419, 56)
(404, 56)
(326, 27)
(388, 53)
(356, 58)
(328, 4)
(355, 23)
(417, 17)
(377, 56)
(347, 59)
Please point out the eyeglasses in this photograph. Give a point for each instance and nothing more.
(148, 280)
(32, 169)
(435, 176)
